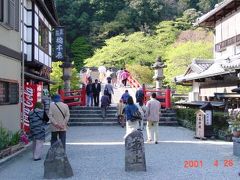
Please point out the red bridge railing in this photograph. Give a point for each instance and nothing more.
(133, 82)
(164, 96)
(75, 97)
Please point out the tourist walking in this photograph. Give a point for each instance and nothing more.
(131, 122)
(124, 77)
(140, 95)
(108, 75)
(59, 117)
(143, 110)
(89, 91)
(120, 114)
(153, 113)
(114, 78)
(37, 121)
(105, 102)
(102, 73)
(125, 96)
(96, 88)
(109, 90)
(119, 80)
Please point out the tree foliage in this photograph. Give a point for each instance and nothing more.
(81, 50)
(134, 32)
(57, 74)
(179, 57)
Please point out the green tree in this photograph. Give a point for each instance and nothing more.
(57, 74)
(81, 50)
(206, 5)
(179, 57)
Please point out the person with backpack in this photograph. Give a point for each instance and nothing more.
(130, 112)
(109, 90)
(59, 117)
(37, 121)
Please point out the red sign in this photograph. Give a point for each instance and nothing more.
(30, 99)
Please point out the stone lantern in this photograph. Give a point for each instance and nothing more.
(158, 70)
(67, 73)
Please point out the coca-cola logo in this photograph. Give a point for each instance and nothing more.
(28, 104)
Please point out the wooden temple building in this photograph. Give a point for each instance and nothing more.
(217, 79)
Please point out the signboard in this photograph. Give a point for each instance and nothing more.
(200, 124)
(208, 118)
(59, 41)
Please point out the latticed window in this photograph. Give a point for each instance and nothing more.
(9, 13)
(1, 10)
(9, 93)
(43, 36)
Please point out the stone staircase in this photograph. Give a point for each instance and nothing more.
(92, 116)
(168, 118)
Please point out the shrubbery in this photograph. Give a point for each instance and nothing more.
(187, 118)
(8, 139)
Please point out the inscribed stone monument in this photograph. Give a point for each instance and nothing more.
(56, 164)
(134, 152)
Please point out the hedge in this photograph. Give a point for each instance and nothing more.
(187, 118)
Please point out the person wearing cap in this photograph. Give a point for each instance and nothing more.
(59, 117)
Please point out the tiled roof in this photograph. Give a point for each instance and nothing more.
(209, 69)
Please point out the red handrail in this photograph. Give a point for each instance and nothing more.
(69, 97)
(163, 95)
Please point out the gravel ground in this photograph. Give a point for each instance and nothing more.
(97, 153)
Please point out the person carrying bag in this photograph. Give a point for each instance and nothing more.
(59, 117)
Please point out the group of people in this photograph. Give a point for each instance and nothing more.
(58, 116)
(150, 112)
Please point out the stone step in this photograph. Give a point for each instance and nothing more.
(168, 119)
(92, 115)
(90, 111)
(105, 123)
(90, 108)
(108, 119)
(168, 123)
(93, 123)
(168, 114)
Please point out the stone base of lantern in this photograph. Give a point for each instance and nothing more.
(236, 146)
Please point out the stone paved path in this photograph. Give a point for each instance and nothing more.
(97, 153)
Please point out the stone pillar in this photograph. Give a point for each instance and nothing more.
(67, 73)
(158, 69)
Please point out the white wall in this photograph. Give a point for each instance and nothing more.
(10, 114)
(226, 28)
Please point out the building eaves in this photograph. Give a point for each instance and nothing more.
(221, 10)
(47, 12)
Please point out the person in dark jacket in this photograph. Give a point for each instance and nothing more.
(37, 120)
(105, 102)
(125, 97)
(96, 88)
(140, 96)
(89, 91)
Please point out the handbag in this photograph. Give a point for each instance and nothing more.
(136, 116)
